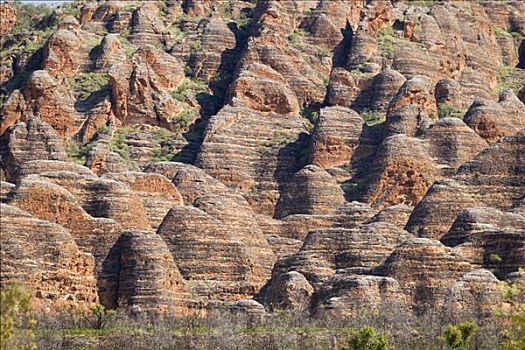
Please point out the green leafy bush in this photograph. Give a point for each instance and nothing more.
(513, 317)
(446, 110)
(84, 84)
(15, 303)
(188, 89)
(102, 315)
(78, 152)
(297, 37)
(504, 76)
(27, 15)
(459, 337)
(119, 145)
(184, 118)
(367, 338)
(372, 117)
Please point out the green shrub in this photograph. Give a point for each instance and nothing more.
(15, 304)
(513, 317)
(84, 84)
(187, 89)
(119, 145)
(27, 15)
(102, 315)
(372, 117)
(184, 118)
(353, 188)
(296, 39)
(78, 152)
(389, 43)
(501, 33)
(163, 152)
(226, 9)
(446, 110)
(459, 337)
(504, 76)
(367, 338)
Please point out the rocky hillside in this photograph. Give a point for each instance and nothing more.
(331, 156)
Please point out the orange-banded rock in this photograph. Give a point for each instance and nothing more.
(396, 215)
(139, 88)
(149, 281)
(5, 189)
(97, 236)
(289, 290)
(493, 121)
(156, 192)
(231, 257)
(263, 89)
(64, 53)
(52, 101)
(8, 14)
(44, 257)
(312, 190)
(357, 296)
(500, 166)
(228, 260)
(401, 172)
(217, 51)
(359, 250)
(29, 141)
(335, 137)
(146, 26)
(495, 239)
(476, 295)
(253, 152)
(425, 270)
(104, 198)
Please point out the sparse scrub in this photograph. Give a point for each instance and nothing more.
(297, 37)
(372, 117)
(367, 338)
(28, 15)
(388, 42)
(184, 118)
(78, 152)
(15, 305)
(459, 337)
(446, 110)
(84, 84)
(501, 33)
(164, 151)
(188, 89)
(513, 316)
(353, 188)
(504, 76)
(119, 145)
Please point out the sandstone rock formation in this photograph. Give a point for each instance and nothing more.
(165, 157)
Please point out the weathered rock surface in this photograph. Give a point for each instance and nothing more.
(289, 151)
(149, 281)
(45, 257)
(497, 166)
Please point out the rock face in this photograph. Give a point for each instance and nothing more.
(45, 257)
(149, 279)
(497, 166)
(164, 157)
(8, 19)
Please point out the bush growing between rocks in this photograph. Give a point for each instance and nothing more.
(459, 337)
(84, 84)
(446, 110)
